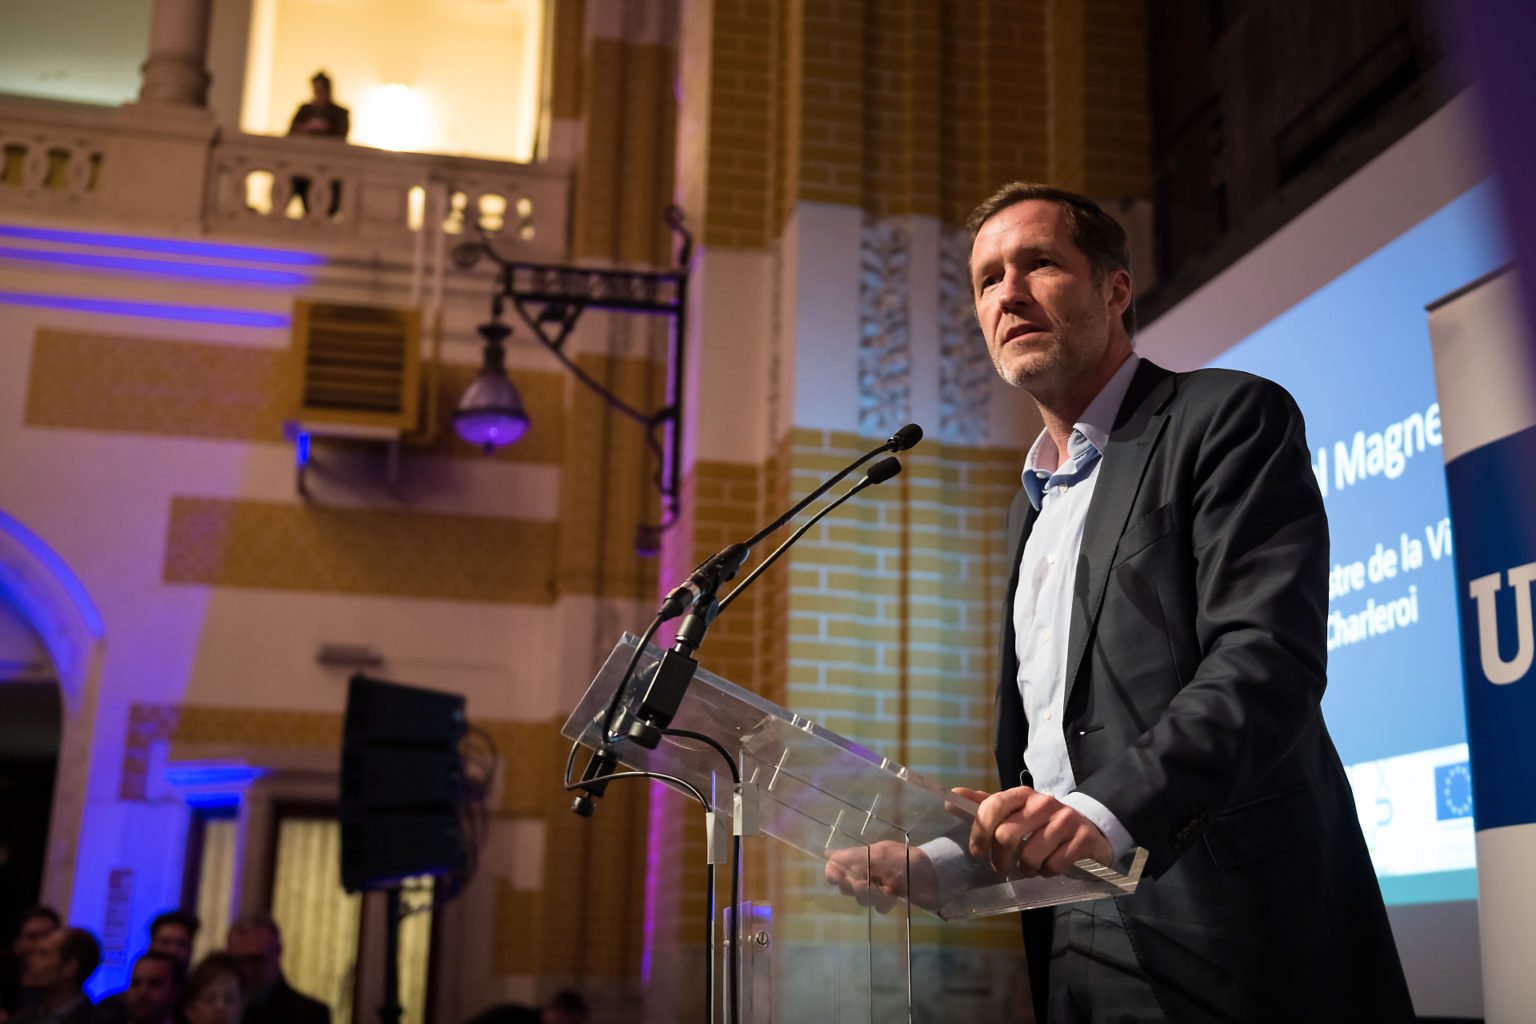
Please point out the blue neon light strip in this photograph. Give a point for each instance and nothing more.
(158, 268)
(227, 776)
(169, 246)
(60, 570)
(149, 310)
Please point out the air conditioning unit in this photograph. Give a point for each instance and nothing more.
(359, 369)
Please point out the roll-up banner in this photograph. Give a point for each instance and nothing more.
(1485, 373)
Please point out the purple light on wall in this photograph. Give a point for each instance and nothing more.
(148, 310)
(169, 246)
(59, 569)
(159, 268)
(655, 822)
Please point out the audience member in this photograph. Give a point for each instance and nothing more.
(154, 990)
(257, 946)
(56, 970)
(320, 118)
(564, 1007)
(34, 923)
(213, 992)
(170, 933)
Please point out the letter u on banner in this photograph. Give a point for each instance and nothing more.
(1484, 591)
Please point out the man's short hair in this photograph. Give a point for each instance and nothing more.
(254, 920)
(1096, 233)
(35, 911)
(321, 78)
(80, 946)
(178, 972)
(180, 918)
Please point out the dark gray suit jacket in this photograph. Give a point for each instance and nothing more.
(1196, 661)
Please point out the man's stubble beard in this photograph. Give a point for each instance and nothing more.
(1068, 357)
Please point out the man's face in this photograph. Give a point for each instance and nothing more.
(45, 966)
(172, 940)
(259, 955)
(152, 992)
(322, 91)
(33, 930)
(1047, 323)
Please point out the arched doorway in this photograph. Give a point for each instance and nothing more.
(30, 713)
(43, 594)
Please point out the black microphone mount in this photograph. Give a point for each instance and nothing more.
(697, 596)
(675, 671)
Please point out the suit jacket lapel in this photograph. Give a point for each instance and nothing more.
(1137, 428)
(1012, 730)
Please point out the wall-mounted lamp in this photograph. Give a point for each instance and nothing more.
(491, 413)
(550, 299)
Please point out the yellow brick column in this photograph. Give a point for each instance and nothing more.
(612, 101)
(828, 151)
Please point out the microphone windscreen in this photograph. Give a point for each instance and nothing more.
(883, 470)
(905, 438)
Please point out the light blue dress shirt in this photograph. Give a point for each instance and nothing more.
(1042, 616)
(1042, 604)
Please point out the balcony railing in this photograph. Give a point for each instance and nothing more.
(323, 188)
(82, 161)
(51, 155)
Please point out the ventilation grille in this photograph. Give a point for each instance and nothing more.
(358, 365)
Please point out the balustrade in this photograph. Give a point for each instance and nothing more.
(58, 158)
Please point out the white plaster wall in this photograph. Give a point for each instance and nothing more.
(728, 353)
(101, 500)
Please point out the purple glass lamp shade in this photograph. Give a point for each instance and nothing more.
(491, 414)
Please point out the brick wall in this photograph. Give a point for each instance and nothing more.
(629, 136)
(917, 108)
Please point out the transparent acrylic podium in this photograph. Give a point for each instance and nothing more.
(844, 813)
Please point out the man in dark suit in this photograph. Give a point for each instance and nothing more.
(1164, 656)
(320, 118)
(1163, 661)
(256, 944)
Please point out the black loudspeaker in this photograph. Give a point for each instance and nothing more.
(402, 784)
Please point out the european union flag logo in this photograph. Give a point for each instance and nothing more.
(1453, 791)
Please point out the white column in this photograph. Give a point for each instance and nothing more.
(176, 73)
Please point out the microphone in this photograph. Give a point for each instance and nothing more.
(879, 473)
(903, 439)
(667, 684)
(723, 566)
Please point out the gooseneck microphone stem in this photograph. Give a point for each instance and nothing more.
(667, 685)
(669, 682)
(900, 441)
(878, 474)
(706, 579)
